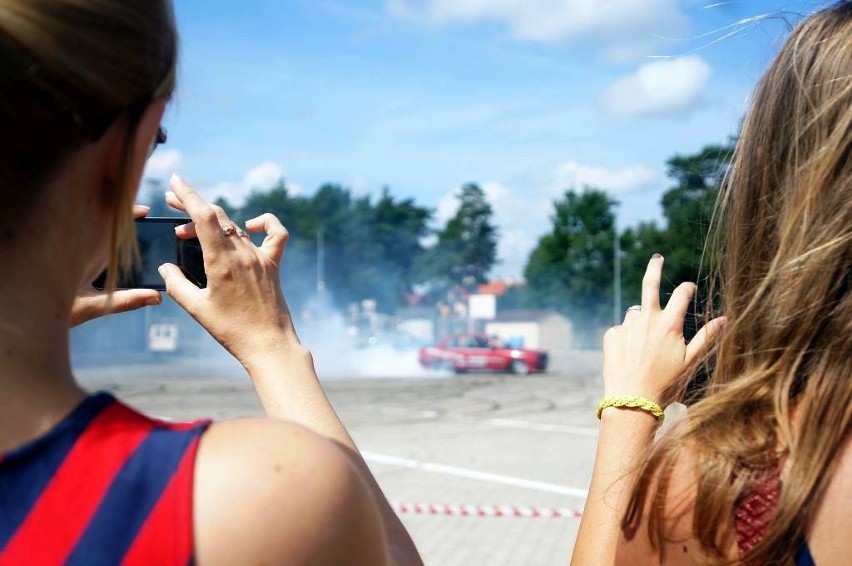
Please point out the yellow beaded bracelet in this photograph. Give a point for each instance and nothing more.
(632, 402)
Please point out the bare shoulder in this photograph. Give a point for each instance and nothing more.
(680, 546)
(270, 491)
(828, 537)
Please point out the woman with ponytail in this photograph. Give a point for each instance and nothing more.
(85, 479)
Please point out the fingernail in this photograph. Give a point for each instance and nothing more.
(144, 206)
(176, 178)
(657, 256)
(163, 269)
(153, 301)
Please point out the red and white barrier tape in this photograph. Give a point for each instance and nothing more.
(484, 511)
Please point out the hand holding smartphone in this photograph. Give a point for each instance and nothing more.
(158, 244)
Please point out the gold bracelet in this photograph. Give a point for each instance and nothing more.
(631, 402)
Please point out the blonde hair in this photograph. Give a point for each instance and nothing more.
(784, 229)
(68, 70)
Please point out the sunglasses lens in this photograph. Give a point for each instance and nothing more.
(159, 139)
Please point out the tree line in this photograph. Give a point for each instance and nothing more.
(350, 248)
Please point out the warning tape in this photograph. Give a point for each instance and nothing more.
(484, 511)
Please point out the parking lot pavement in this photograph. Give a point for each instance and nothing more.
(451, 452)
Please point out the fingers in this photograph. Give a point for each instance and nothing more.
(276, 235)
(102, 303)
(207, 218)
(651, 284)
(679, 302)
(173, 201)
(178, 286)
(631, 314)
(140, 211)
(186, 231)
(132, 299)
(704, 340)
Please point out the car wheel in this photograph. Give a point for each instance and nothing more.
(519, 367)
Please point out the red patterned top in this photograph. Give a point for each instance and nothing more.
(754, 512)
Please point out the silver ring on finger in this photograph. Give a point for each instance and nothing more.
(637, 308)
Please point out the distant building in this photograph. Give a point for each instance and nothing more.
(544, 329)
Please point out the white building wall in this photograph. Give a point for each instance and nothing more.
(555, 333)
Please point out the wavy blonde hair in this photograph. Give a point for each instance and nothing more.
(783, 228)
(68, 70)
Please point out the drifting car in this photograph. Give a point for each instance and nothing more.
(479, 352)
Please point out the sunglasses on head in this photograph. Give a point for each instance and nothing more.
(135, 112)
(161, 138)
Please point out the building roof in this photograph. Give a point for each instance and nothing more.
(496, 288)
(524, 315)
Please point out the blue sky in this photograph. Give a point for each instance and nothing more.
(526, 97)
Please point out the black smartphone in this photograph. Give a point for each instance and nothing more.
(158, 244)
(696, 387)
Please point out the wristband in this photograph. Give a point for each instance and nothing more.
(631, 402)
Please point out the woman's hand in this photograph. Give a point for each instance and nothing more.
(242, 306)
(647, 354)
(91, 303)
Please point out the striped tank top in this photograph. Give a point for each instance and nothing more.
(106, 485)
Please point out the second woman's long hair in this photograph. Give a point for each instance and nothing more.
(784, 234)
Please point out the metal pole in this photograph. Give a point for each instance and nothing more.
(320, 260)
(616, 289)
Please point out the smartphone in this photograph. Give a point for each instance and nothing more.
(158, 244)
(693, 322)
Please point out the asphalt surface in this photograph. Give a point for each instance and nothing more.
(496, 465)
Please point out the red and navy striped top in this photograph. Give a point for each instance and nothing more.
(106, 485)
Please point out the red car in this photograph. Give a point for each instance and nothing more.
(477, 352)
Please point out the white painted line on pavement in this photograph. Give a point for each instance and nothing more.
(474, 474)
(528, 425)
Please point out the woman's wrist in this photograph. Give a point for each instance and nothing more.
(630, 402)
(284, 354)
(628, 418)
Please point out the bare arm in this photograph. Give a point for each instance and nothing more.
(624, 437)
(289, 389)
(271, 492)
(244, 308)
(642, 357)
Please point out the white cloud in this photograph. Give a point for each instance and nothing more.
(671, 86)
(261, 177)
(572, 175)
(620, 28)
(162, 164)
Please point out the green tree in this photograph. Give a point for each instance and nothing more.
(571, 268)
(466, 249)
(687, 209)
(398, 228)
(359, 249)
(637, 246)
